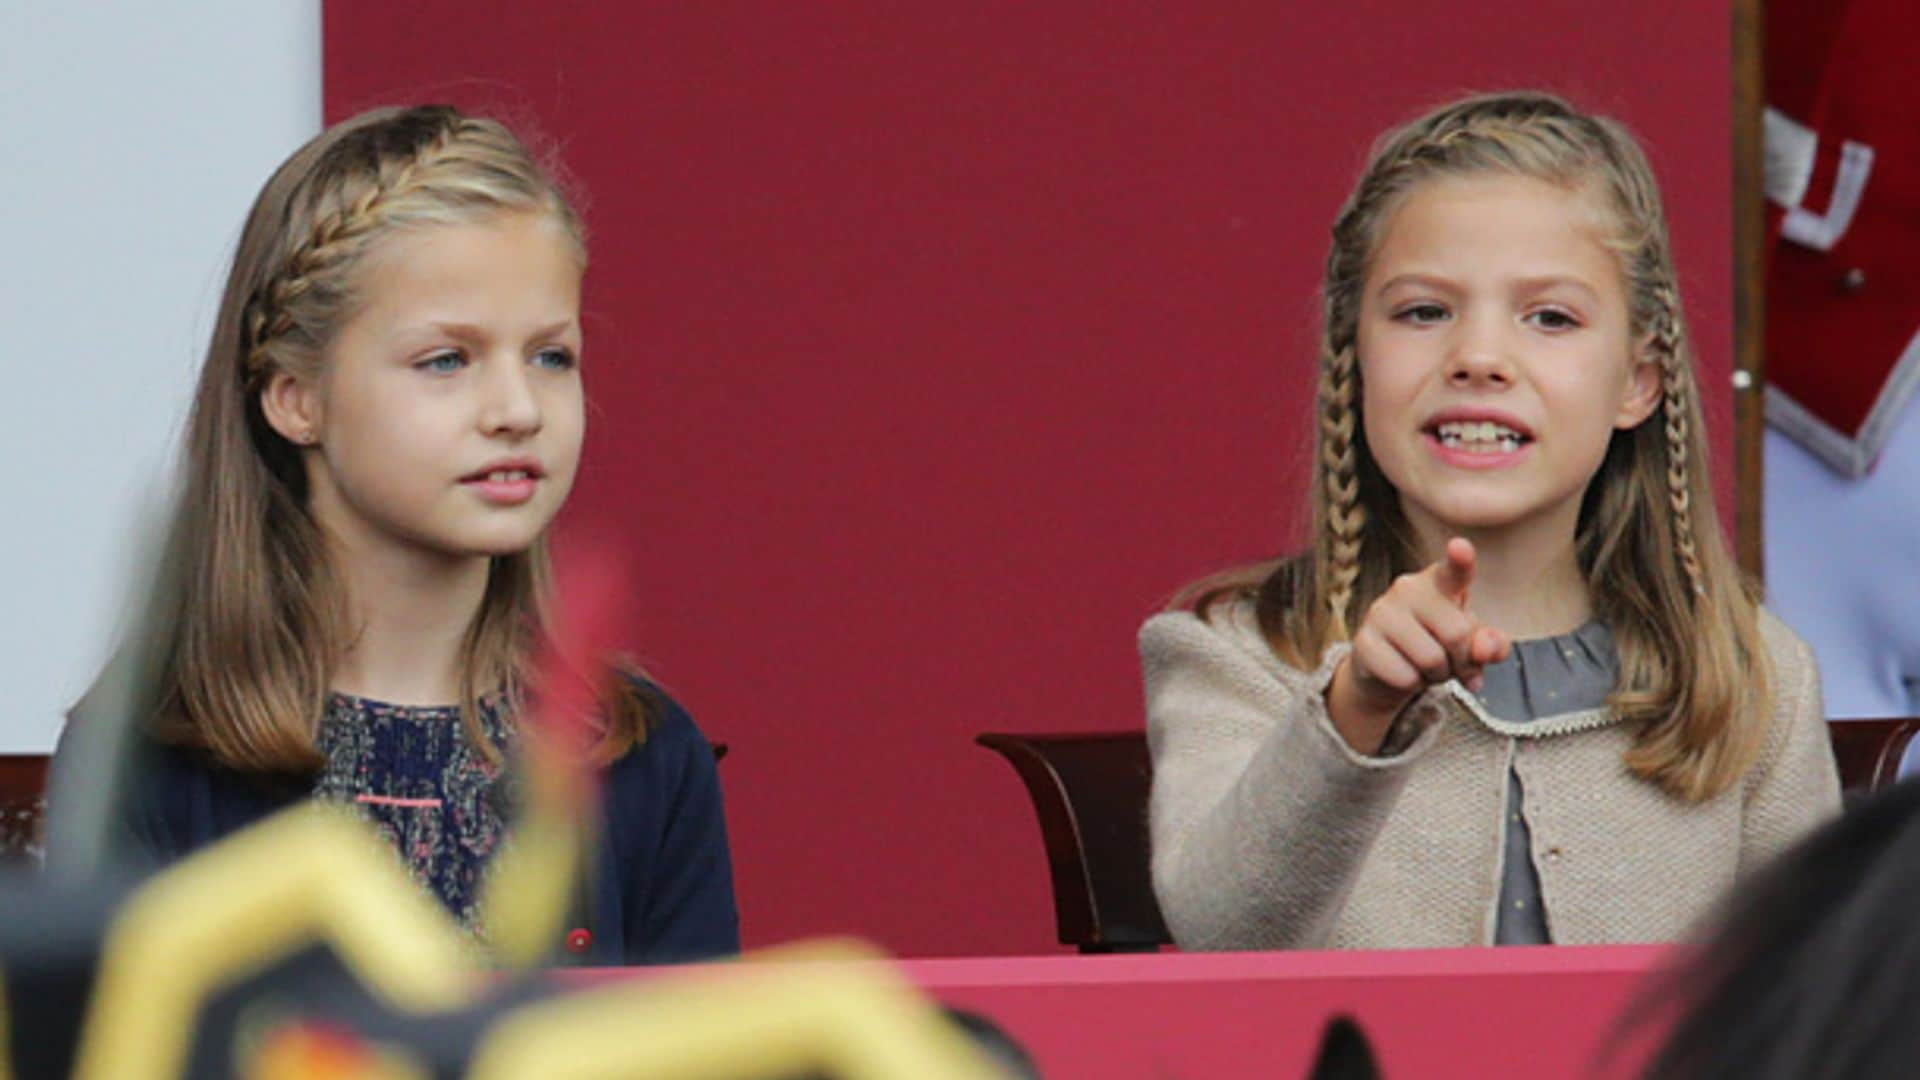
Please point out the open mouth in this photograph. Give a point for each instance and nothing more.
(505, 483)
(1479, 436)
(504, 475)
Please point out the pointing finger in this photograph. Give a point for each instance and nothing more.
(1454, 573)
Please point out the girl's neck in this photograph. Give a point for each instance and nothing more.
(408, 616)
(1527, 581)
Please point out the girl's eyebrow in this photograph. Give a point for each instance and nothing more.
(471, 333)
(1553, 281)
(1420, 279)
(1536, 284)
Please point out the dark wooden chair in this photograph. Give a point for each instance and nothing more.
(1090, 794)
(1869, 751)
(23, 801)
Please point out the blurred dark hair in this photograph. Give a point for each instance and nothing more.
(1345, 1053)
(1815, 969)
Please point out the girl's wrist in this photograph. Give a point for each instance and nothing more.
(1363, 723)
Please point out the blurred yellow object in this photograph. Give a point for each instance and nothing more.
(834, 1009)
(306, 876)
(532, 878)
(238, 917)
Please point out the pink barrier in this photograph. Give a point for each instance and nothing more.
(1532, 1012)
(1537, 1012)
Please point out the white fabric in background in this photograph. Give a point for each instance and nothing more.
(133, 138)
(1843, 570)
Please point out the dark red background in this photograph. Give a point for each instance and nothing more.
(933, 346)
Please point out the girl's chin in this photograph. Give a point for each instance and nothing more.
(1479, 515)
(498, 547)
(490, 544)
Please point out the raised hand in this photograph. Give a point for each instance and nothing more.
(1418, 633)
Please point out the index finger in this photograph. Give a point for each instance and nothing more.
(1453, 575)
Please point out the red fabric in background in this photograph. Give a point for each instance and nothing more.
(932, 347)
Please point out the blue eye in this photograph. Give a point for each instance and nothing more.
(555, 359)
(442, 363)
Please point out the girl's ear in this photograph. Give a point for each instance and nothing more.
(1642, 396)
(292, 407)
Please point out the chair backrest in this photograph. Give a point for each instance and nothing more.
(1869, 751)
(1090, 794)
(23, 802)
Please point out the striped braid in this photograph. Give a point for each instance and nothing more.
(1675, 387)
(1346, 517)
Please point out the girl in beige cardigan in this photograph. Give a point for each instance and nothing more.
(1560, 714)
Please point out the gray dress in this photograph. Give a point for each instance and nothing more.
(1544, 677)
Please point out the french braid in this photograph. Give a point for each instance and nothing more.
(340, 234)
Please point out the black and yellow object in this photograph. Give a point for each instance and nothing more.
(299, 949)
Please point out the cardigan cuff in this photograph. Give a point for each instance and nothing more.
(1407, 738)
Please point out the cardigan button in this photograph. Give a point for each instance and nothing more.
(579, 939)
(1853, 281)
(1553, 854)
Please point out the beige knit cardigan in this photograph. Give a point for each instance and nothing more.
(1270, 832)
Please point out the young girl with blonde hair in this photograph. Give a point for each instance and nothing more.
(1516, 691)
(389, 417)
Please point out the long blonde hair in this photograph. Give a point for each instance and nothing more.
(251, 611)
(1694, 674)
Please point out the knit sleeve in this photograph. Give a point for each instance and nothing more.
(1261, 814)
(1795, 787)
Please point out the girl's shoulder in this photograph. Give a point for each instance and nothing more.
(1795, 675)
(672, 738)
(1227, 634)
(1791, 656)
(667, 777)
(1227, 622)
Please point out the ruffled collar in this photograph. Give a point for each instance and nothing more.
(1548, 686)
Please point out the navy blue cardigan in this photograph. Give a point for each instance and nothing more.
(662, 891)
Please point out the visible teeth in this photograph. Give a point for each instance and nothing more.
(1455, 434)
(501, 476)
(1482, 436)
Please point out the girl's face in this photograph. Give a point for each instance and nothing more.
(448, 415)
(1495, 354)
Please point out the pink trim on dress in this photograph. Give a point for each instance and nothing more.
(394, 800)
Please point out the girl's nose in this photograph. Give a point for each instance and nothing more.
(1478, 356)
(510, 407)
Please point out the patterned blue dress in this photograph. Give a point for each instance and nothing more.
(660, 883)
(415, 775)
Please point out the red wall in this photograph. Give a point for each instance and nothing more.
(933, 346)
